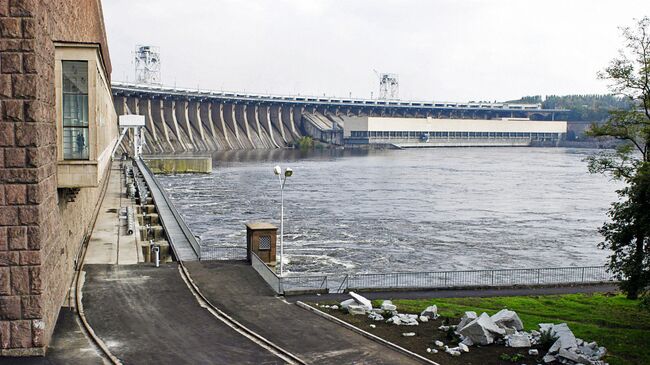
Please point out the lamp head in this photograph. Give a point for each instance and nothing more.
(277, 170)
(288, 172)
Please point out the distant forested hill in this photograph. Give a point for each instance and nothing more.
(582, 107)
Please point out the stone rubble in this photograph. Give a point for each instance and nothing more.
(468, 317)
(508, 319)
(361, 300)
(387, 305)
(482, 330)
(518, 340)
(505, 327)
(355, 309)
(431, 312)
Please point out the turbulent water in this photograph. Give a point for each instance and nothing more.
(406, 210)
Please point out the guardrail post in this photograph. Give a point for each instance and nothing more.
(537, 276)
(583, 275)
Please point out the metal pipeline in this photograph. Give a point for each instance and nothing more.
(130, 222)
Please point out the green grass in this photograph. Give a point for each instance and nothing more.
(613, 321)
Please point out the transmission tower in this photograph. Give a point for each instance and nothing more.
(388, 85)
(147, 65)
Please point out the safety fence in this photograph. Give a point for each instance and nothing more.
(288, 284)
(223, 253)
(475, 278)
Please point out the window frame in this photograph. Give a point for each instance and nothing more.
(75, 128)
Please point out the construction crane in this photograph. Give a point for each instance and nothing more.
(388, 85)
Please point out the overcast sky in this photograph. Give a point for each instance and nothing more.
(442, 49)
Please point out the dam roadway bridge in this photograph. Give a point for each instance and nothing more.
(185, 120)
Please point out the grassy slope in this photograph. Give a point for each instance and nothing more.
(612, 321)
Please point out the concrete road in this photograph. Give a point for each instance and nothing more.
(238, 290)
(148, 315)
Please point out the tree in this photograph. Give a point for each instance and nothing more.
(628, 233)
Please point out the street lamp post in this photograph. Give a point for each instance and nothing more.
(287, 173)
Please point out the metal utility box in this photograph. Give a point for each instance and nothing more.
(261, 239)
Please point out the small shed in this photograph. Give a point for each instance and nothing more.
(261, 239)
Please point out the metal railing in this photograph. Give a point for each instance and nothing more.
(237, 253)
(304, 283)
(476, 278)
(294, 283)
(181, 222)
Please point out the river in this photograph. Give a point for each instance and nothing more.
(406, 210)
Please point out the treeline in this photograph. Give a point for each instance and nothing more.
(591, 108)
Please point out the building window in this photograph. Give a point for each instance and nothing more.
(75, 110)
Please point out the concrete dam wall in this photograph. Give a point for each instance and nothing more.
(176, 125)
(183, 120)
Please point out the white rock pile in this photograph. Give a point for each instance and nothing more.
(505, 327)
(568, 349)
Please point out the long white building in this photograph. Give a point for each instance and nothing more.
(434, 132)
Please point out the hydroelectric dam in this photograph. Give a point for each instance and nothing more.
(185, 120)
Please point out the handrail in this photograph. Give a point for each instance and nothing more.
(182, 224)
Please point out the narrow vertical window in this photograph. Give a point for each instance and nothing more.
(75, 110)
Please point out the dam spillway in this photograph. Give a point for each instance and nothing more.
(184, 120)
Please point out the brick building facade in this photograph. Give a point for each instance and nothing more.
(42, 226)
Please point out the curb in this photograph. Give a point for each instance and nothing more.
(366, 334)
(78, 283)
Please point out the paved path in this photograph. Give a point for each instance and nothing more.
(69, 346)
(461, 293)
(238, 290)
(148, 315)
(109, 243)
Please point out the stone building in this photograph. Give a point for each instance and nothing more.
(57, 130)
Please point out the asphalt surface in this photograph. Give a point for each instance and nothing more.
(238, 290)
(148, 315)
(461, 293)
(69, 346)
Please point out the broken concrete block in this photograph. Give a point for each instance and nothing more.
(565, 340)
(345, 303)
(507, 318)
(387, 305)
(431, 312)
(361, 300)
(468, 317)
(549, 358)
(519, 340)
(355, 309)
(482, 330)
(568, 354)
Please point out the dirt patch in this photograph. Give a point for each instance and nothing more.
(427, 333)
